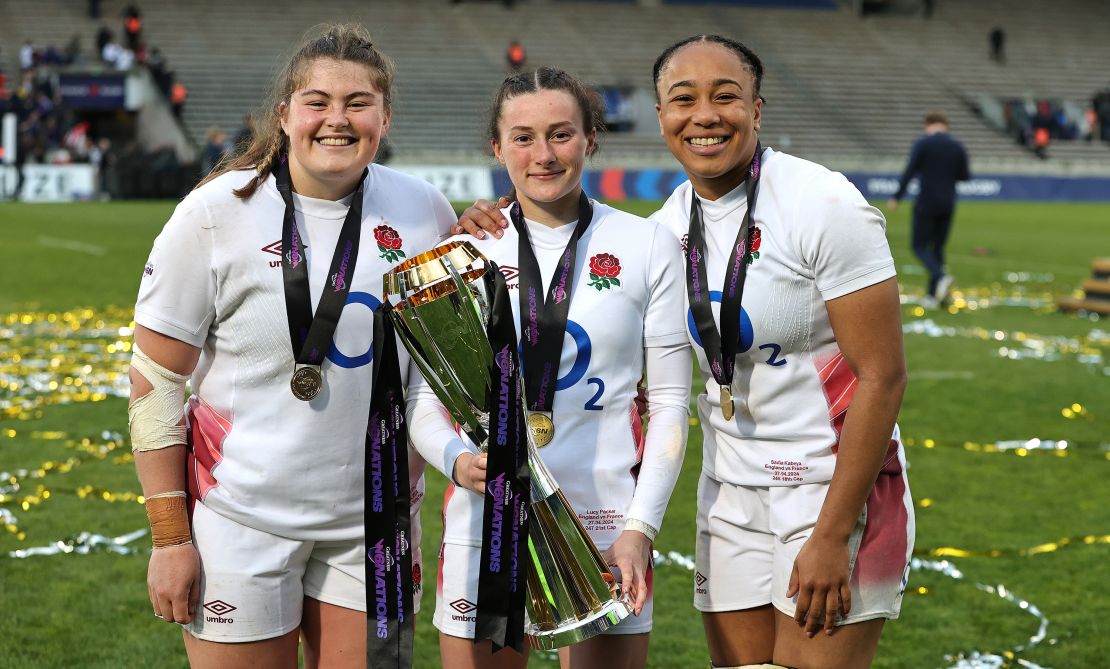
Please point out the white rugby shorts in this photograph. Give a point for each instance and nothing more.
(253, 583)
(457, 595)
(749, 537)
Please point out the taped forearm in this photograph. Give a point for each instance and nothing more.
(169, 519)
(668, 395)
(157, 419)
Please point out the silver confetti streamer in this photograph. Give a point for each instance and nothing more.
(85, 543)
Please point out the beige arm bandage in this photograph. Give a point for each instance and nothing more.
(157, 419)
(169, 519)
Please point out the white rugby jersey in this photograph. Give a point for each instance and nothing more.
(597, 444)
(214, 280)
(814, 239)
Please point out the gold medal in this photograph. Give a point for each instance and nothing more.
(541, 427)
(306, 383)
(726, 403)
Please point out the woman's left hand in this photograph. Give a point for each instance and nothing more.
(631, 554)
(820, 580)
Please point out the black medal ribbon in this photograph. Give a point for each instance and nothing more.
(310, 335)
(503, 566)
(720, 346)
(543, 318)
(389, 577)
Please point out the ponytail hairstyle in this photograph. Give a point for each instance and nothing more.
(549, 79)
(342, 42)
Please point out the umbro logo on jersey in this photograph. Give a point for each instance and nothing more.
(275, 248)
(511, 275)
(148, 270)
(221, 609)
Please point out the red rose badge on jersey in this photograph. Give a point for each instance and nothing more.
(755, 238)
(604, 270)
(389, 243)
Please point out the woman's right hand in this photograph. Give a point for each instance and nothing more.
(483, 216)
(470, 472)
(173, 582)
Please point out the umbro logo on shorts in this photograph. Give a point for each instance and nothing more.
(700, 580)
(221, 609)
(464, 607)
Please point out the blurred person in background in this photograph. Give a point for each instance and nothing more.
(133, 26)
(515, 56)
(103, 37)
(27, 56)
(215, 147)
(938, 160)
(997, 39)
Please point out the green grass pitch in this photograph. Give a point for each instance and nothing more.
(1008, 369)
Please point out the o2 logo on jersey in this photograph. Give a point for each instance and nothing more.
(583, 351)
(581, 364)
(747, 334)
(340, 359)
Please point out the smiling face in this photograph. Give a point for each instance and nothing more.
(543, 143)
(709, 114)
(335, 121)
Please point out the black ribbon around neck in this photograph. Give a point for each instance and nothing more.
(504, 564)
(389, 575)
(310, 335)
(720, 346)
(543, 318)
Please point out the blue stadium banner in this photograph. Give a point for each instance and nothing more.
(93, 91)
(617, 184)
(1021, 187)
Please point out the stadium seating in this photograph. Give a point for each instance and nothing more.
(841, 89)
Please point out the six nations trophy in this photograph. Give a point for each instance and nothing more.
(443, 300)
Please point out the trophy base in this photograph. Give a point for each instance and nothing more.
(574, 631)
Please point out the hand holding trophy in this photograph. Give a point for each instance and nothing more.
(452, 313)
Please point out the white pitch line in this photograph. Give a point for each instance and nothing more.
(72, 245)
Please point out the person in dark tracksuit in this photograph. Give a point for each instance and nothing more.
(939, 161)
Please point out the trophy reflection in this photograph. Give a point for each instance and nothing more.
(442, 305)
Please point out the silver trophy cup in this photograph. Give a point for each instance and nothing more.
(441, 309)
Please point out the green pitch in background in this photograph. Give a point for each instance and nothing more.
(1002, 367)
